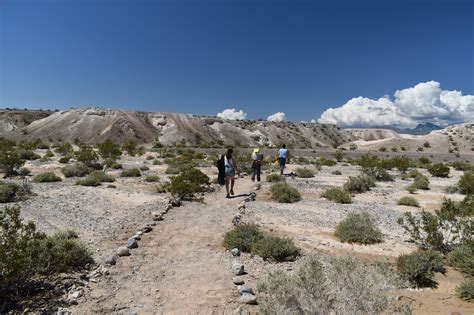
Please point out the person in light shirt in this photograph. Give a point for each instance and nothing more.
(283, 155)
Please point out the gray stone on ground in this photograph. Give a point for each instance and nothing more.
(248, 298)
(123, 251)
(238, 269)
(147, 229)
(238, 280)
(132, 243)
(110, 260)
(245, 289)
(157, 216)
(137, 237)
(235, 252)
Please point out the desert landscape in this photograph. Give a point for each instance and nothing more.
(158, 235)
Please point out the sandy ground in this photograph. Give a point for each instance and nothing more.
(181, 267)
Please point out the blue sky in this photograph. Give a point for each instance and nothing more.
(296, 57)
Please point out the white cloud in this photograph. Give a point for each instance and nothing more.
(425, 102)
(280, 116)
(232, 114)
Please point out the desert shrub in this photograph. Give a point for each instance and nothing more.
(109, 150)
(466, 183)
(24, 171)
(408, 201)
(447, 227)
(275, 248)
(411, 188)
(157, 162)
(419, 267)
(152, 178)
(383, 149)
(144, 168)
(64, 159)
(177, 168)
(46, 177)
(149, 158)
(8, 191)
(336, 172)
(358, 228)
(379, 174)
(337, 194)
(48, 154)
(424, 161)
(186, 184)
(465, 291)
(284, 193)
(325, 162)
(10, 162)
(304, 172)
(26, 254)
(102, 177)
(414, 173)
(439, 170)
(302, 160)
(111, 163)
(131, 172)
(338, 155)
(243, 236)
(340, 285)
(26, 154)
(451, 189)
(359, 184)
(271, 178)
(353, 146)
(462, 166)
(130, 147)
(426, 144)
(462, 258)
(421, 182)
(64, 149)
(88, 181)
(86, 154)
(76, 170)
(62, 252)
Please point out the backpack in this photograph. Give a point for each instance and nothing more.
(220, 163)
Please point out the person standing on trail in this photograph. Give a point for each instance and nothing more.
(257, 159)
(283, 155)
(230, 170)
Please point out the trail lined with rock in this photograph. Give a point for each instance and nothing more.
(178, 268)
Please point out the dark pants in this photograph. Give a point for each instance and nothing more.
(282, 164)
(256, 169)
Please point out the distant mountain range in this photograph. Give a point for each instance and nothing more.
(420, 129)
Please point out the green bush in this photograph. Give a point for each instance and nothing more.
(272, 178)
(336, 194)
(466, 183)
(243, 237)
(152, 178)
(421, 182)
(48, 154)
(284, 193)
(131, 148)
(408, 201)
(109, 150)
(144, 168)
(439, 170)
(379, 174)
(359, 184)
(275, 248)
(88, 181)
(46, 177)
(358, 228)
(186, 184)
(443, 230)
(340, 285)
(419, 267)
(462, 258)
(64, 149)
(411, 188)
(414, 173)
(64, 159)
(304, 172)
(86, 155)
(102, 177)
(336, 172)
(26, 154)
(157, 162)
(76, 170)
(325, 162)
(111, 163)
(131, 172)
(8, 192)
(465, 290)
(10, 162)
(24, 171)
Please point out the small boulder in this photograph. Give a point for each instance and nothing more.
(157, 216)
(238, 280)
(238, 269)
(137, 237)
(175, 202)
(147, 229)
(123, 251)
(237, 219)
(235, 252)
(132, 243)
(245, 289)
(248, 298)
(110, 260)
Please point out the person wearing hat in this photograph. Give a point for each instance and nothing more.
(257, 158)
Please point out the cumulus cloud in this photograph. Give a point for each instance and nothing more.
(232, 114)
(425, 102)
(280, 116)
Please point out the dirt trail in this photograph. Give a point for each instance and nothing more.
(179, 268)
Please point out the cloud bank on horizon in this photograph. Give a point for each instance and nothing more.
(280, 116)
(425, 102)
(232, 114)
